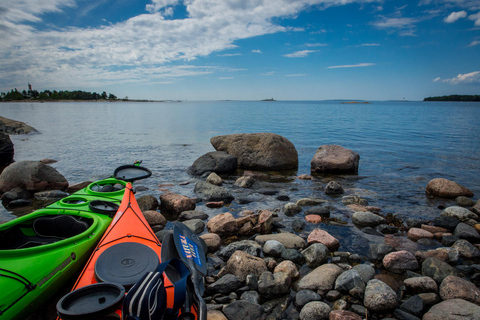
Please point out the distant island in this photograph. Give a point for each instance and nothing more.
(47, 95)
(271, 99)
(454, 97)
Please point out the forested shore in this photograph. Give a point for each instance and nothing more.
(454, 97)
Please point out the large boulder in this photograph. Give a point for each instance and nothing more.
(6, 149)
(32, 176)
(216, 161)
(447, 189)
(10, 126)
(259, 151)
(334, 159)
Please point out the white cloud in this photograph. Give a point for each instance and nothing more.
(467, 78)
(299, 54)
(352, 65)
(296, 75)
(256, 51)
(436, 79)
(475, 17)
(229, 55)
(454, 16)
(405, 26)
(139, 46)
(370, 44)
(316, 44)
(474, 43)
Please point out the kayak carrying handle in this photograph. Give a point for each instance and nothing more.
(28, 285)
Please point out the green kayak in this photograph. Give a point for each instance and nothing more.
(41, 251)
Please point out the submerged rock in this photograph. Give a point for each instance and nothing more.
(447, 189)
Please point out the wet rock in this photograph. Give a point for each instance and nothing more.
(323, 212)
(6, 149)
(379, 296)
(400, 261)
(467, 232)
(349, 280)
(454, 309)
(453, 287)
(259, 151)
(386, 229)
(367, 219)
(323, 237)
(212, 240)
(449, 255)
(429, 299)
(459, 213)
(226, 284)
(32, 176)
(9, 126)
(305, 296)
(418, 285)
(273, 248)
(449, 240)
(215, 315)
(245, 182)
(304, 202)
(365, 271)
(196, 225)
(216, 161)
(19, 203)
(447, 188)
(343, 315)
(16, 194)
(347, 200)
(416, 234)
(291, 209)
(463, 201)
(372, 231)
(298, 225)
(242, 264)
(222, 224)
(147, 202)
(313, 218)
(305, 177)
(50, 195)
(293, 255)
(334, 159)
(214, 179)
(402, 315)
(321, 278)
(333, 188)
(476, 207)
(289, 268)
(315, 310)
(155, 218)
(244, 310)
(437, 269)
(192, 214)
(209, 192)
(466, 249)
(248, 246)
(414, 305)
(449, 223)
(175, 203)
(289, 240)
(433, 229)
(251, 296)
(274, 285)
(316, 254)
(377, 252)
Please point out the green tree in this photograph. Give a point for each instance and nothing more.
(112, 97)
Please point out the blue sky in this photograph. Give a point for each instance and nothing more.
(243, 49)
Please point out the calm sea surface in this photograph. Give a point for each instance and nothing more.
(402, 146)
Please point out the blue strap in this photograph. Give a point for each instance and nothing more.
(180, 286)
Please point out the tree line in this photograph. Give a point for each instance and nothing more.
(14, 94)
(454, 97)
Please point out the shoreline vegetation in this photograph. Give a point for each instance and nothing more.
(454, 97)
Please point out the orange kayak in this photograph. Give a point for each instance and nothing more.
(127, 251)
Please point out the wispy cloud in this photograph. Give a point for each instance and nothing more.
(454, 16)
(467, 78)
(437, 79)
(270, 73)
(296, 75)
(299, 54)
(405, 26)
(316, 44)
(359, 65)
(256, 51)
(229, 55)
(475, 17)
(370, 45)
(474, 43)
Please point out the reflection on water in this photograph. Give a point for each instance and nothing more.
(402, 146)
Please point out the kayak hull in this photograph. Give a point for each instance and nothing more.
(37, 258)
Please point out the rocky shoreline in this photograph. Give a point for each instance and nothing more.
(257, 269)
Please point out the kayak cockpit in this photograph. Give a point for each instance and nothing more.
(43, 230)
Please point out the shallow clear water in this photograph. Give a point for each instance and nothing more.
(402, 146)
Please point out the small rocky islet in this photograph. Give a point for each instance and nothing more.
(259, 269)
